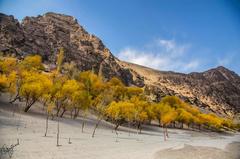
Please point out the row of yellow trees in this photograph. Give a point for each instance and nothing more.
(65, 89)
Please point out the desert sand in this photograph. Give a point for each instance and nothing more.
(29, 128)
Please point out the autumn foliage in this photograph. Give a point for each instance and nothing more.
(67, 90)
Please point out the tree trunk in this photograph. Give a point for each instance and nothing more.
(52, 115)
(83, 123)
(116, 132)
(27, 108)
(64, 110)
(128, 128)
(58, 131)
(116, 127)
(76, 113)
(46, 124)
(58, 110)
(149, 121)
(164, 133)
(140, 130)
(139, 127)
(71, 113)
(28, 105)
(16, 98)
(99, 120)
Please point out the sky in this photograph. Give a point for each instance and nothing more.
(176, 35)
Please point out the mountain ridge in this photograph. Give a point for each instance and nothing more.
(216, 90)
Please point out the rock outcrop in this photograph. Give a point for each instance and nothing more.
(216, 90)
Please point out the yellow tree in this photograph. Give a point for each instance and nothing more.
(198, 121)
(113, 90)
(118, 89)
(228, 123)
(157, 110)
(8, 74)
(141, 115)
(165, 114)
(3, 83)
(12, 80)
(68, 89)
(211, 120)
(96, 90)
(101, 103)
(31, 62)
(184, 116)
(113, 111)
(7, 65)
(172, 101)
(167, 117)
(134, 91)
(56, 92)
(81, 101)
(120, 112)
(34, 85)
(150, 112)
(128, 112)
(93, 84)
(71, 69)
(215, 121)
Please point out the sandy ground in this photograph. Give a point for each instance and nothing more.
(232, 151)
(29, 128)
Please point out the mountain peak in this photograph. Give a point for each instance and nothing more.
(58, 15)
(221, 73)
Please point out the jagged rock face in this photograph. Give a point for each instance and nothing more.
(216, 90)
(46, 34)
(11, 34)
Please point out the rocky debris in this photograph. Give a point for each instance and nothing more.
(216, 90)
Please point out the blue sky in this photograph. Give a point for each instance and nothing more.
(177, 35)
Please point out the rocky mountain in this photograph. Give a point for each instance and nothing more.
(46, 34)
(216, 90)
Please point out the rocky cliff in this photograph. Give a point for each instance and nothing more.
(216, 90)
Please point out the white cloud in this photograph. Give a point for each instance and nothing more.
(162, 55)
(172, 48)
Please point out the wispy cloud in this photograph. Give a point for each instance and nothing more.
(162, 54)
